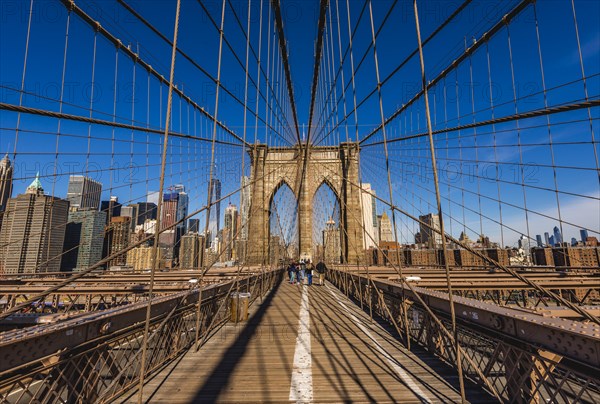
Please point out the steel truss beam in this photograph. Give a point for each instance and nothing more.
(576, 340)
(516, 356)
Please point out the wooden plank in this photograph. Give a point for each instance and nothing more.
(353, 359)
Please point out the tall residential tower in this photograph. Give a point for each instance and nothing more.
(6, 177)
(33, 231)
(83, 192)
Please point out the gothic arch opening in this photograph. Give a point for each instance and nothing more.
(332, 166)
(283, 224)
(326, 223)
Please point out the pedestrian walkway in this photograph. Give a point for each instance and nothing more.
(305, 344)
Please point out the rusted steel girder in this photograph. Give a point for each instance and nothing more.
(575, 340)
(21, 347)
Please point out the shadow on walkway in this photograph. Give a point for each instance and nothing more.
(218, 380)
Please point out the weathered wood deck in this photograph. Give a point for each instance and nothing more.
(338, 356)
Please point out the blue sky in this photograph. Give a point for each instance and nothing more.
(127, 161)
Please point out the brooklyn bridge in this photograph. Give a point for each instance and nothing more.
(299, 201)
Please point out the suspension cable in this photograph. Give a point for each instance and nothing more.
(159, 205)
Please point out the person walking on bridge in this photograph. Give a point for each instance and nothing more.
(302, 271)
(309, 272)
(291, 272)
(321, 268)
(297, 272)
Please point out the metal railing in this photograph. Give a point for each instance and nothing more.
(517, 356)
(97, 357)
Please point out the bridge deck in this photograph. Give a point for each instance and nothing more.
(338, 356)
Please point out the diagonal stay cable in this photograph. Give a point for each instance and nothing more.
(159, 207)
(191, 60)
(407, 59)
(96, 121)
(489, 260)
(107, 259)
(70, 5)
(455, 63)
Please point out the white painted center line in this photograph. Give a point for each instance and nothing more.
(409, 381)
(301, 389)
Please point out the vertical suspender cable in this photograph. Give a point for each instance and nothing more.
(159, 207)
(476, 169)
(93, 85)
(492, 109)
(22, 92)
(60, 109)
(388, 172)
(245, 128)
(132, 141)
(148, 134)
(548, 124)
(585, 90)
(516, 105)
(211, 169)
(439, 207)
(266, 223)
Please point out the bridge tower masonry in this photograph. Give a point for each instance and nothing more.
(334, 166)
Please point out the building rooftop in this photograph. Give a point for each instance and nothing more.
(36, 186)
(5, 162)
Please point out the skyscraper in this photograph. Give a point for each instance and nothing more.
(524, 243)
(558, 239)
(173, 212)
(182, 208)
(370, 239)
(418, 238)
(547, 238)
(539, 241)
(142, 258)
(169, 210)
(83, 239)
(193, 225)
(146, 211)
(215, 209)
(385, 228)
(584, 235)
(245, 195)
(190, 251)
(175, 208)
(112, 207)
(6, 177)
(374, 215)
(231, 225)
(119, 239)
(428, 235)
(33, 232)
(83, 192)
(231, 218)
(130, 211)
(331, 242)
(152, 197)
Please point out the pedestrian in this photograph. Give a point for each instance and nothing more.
(291, 272)
(309, 272)
(297, 272)
(321, 268)
(302, 271)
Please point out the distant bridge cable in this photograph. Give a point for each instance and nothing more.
(448, 20)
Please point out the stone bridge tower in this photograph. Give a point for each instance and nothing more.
(336, 166)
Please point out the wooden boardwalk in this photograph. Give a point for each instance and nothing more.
(339, 355)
